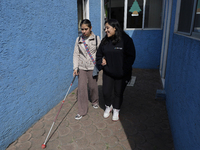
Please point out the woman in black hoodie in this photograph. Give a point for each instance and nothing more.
(116, 54)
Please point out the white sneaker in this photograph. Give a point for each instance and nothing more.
(78, 117)
(95, 106)
(107, 111)
(115, 116)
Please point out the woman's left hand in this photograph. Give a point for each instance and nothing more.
(103, 62)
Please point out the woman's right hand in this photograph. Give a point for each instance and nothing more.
(75, 73)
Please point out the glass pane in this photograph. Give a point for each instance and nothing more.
(116, 10)
(106, 10)
(134, 13)
(153, 14)
(185, 17)
(197, 18)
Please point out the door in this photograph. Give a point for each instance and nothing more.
(112, 9)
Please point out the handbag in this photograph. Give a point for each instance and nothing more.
(96, 70)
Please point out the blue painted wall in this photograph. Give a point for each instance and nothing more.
(148, 45)
(183, 89)
(36, 48)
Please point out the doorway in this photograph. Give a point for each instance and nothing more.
(83, 12)
(114, 9)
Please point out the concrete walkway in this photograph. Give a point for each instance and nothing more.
(143, 122)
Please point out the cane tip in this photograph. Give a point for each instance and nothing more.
(43, 146)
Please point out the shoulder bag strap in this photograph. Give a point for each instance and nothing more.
(88, 51)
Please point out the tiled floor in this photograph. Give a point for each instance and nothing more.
(143, 123)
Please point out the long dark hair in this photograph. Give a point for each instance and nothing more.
(118, 32)
(87, 22)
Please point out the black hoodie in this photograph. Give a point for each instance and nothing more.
(119, 57)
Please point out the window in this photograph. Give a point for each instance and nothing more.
(188, 16)
(135, 13)
(83, 11)
(153, 14)
(143, 13)
(134, 20)
(197, 18)
(185, 17)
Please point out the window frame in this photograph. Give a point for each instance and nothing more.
(191, 34)
(86, 14)
(143, 19)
